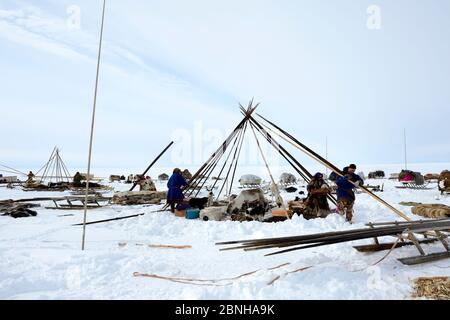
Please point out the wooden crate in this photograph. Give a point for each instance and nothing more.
(279, 213)
(180, 213)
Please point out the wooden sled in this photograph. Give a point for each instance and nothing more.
(250, 186)
(425, 258)
(388, 246)
(409, 239)
(92, 203)
(377, 188)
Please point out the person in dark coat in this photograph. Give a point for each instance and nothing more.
(77, 179)
(345, 193)
(175, 183)
(317, 196)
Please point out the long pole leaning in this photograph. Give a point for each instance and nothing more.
(325, 163)
(153, 162)
(404, 144)
(92, 127)
(277, 195)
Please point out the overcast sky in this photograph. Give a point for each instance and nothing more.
(178, 69)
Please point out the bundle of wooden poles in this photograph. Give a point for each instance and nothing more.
(322, 239)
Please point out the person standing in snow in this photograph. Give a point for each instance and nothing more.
(150, 185)
(30, 181)
(345, 193)
(317, 196)
(77, 178)
(175, 183)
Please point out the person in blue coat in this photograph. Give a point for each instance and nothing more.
(175, 183)
(345, 193)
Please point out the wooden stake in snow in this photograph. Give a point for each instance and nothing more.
(92, 127)
(406, 155)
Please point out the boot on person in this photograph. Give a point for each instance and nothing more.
(349, 216)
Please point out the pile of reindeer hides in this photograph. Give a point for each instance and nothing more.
(17, 210)
(139, 197)
(431, 210)
(249, 205)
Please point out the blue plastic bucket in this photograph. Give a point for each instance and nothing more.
(192, 214)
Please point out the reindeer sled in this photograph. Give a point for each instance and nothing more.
(411, 180)
(250, 181)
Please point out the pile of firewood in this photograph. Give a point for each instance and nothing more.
(139, 197)
(17, 210)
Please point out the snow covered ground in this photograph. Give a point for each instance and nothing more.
(40, 258)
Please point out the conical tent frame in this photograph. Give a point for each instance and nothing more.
(235, 140)
(267, 130)
(55, 168)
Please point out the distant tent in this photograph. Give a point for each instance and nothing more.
(376, 174)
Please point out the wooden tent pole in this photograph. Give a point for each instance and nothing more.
(239, 140)
(15, 171)
(278, 197)
(216, 162)
(406, 155)
(53, 165)
(219, 152)
(91, 138)
(223, 147)
(66, 172)
(236, 161)
(47, 166)
(304, 173)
